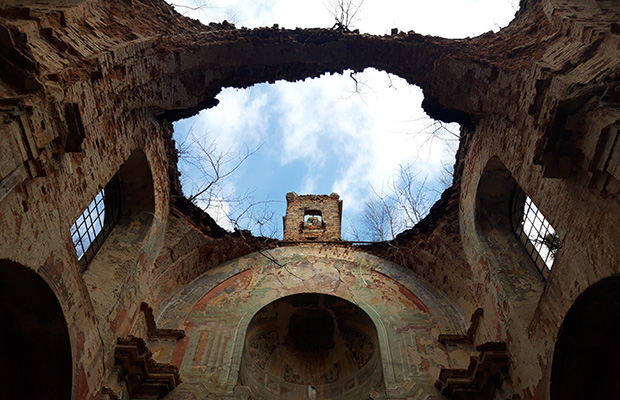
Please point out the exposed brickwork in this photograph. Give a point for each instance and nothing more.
(85, 85)
(312, 217)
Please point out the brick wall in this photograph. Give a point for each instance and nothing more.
(312, 217)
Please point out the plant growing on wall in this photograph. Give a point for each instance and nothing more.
(551, 241)
(345, 13)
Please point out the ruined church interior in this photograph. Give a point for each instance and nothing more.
(162, 303)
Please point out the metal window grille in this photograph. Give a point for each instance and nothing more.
(96, 222)
(535, 233)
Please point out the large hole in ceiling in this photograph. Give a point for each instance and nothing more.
(318, 136)
(363, 136)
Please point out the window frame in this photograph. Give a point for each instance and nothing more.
(89, 239)
(524, 209)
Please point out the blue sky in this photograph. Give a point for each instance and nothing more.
(319, 136)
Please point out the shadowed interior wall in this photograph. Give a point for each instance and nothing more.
(35, 360)
(311, 344)
(87, 82)
(585, 361)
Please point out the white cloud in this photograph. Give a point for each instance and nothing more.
(395, 135)
(309, 127)
(238, 122)
(353, 183)
(309, 185)
(299, 129)
(218, 210)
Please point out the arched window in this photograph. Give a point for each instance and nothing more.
(498, 213)
(96, 222)
(129, 192)
(538, 237)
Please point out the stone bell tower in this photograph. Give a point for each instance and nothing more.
(312, 217)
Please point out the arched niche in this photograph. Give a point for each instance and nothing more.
(127, 196)
(35, 361)
(137, 198)
(136, 185)
(508, 263)
(136, 204)
(494, 198)
(585, 360)
(217, 309)
(113, 275)
(311, 345)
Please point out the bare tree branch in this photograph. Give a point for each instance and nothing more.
(207, 172)
(345, 13)
(256, 214)
(411, 195)
(379, 219)
(201, 6)
(215, 166)
(209, 9)
(386, 214)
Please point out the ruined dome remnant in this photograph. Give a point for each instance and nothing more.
(168, 305)
(311, 342)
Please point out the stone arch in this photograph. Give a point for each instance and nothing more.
(311, 344)
(110, 277)
(509, 265)
(373, 314)
(585, 360)
(36, 359)
(216, 309)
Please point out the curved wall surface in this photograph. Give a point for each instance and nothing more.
(216, 311)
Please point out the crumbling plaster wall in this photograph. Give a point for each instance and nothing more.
(53, 164)
(215, 309)
(577, 209)
(125, 64)
(575, 67)
(584, 57)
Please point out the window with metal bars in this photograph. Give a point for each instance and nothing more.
(92, 228)
(535, 233)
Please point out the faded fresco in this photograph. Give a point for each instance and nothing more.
(216, 309)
